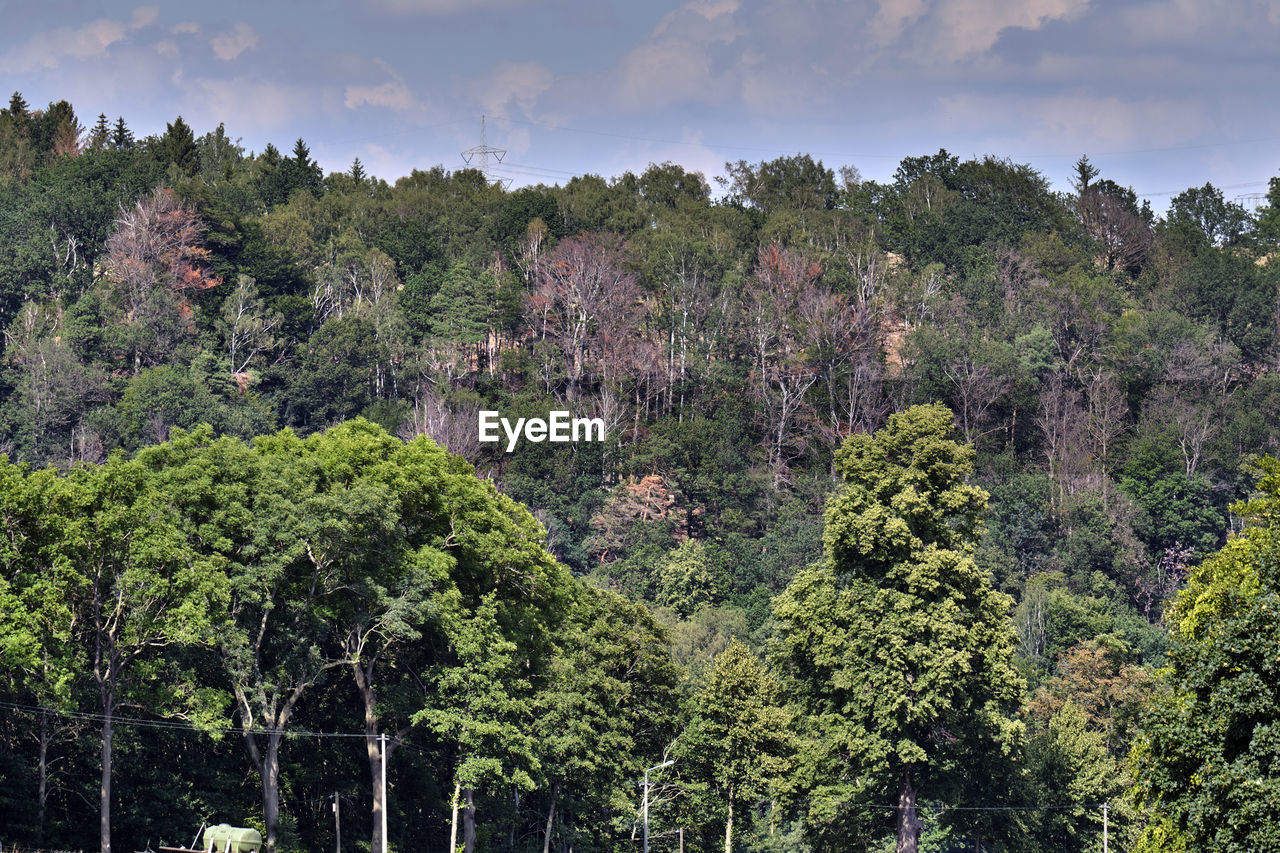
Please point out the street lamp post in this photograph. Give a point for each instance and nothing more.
(666, 763)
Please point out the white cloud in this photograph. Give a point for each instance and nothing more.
(246, 101)
(968, 28)
(441, 7)
(144, 16)
(393, 94)
(518, 83)
(46, 50)
(168, 48)
(227, 46)
(185, 28)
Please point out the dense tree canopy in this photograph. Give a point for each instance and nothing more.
(1111, 372)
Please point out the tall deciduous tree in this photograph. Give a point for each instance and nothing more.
(740, 740)
(608, 708)
(139, 588)
(1207, 756)
(897, 647)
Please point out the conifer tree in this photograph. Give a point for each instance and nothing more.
(121, 135)
(100, 136)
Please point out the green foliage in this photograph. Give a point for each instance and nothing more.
(1114, 374)
(898, 635)
(1070, 772)
(739, 742)
(1208, 744)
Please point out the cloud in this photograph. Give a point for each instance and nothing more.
(168, 48)
(675, 64)
(144, 16)
(967, 28)
(46, 50)
(666, 72)
(894, 16)
(393, 94)
(441, 7)
(227, 46)
(1066, 123)
(185, 28)
(518, 83)
(246, 100)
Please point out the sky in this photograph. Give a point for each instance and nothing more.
(1161, 95)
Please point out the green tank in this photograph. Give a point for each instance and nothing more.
(225, 838)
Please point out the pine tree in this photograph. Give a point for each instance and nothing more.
(121, 135)
(303, 172)
(100, 136)
(178, 147)
(357, 171)
(18, 109)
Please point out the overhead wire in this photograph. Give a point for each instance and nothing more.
(183, 725)
(137, 722)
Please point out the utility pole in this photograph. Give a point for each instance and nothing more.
(337, 822)
(1105, 806)
(383, 738)
(666, 763)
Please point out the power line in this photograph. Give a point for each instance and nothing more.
(183, 725)
(865, 155)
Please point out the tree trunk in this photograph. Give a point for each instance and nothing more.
(728, 825)
(469, 822)
(44, 773)
(453, 821)
(271, 789)
(364, 682)
(908, 820)
(104, 811)
(551, 816)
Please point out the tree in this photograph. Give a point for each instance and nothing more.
(280, 527)
(351, 549)
(1070, 772)
(177, 148)
(478, 702)
(1208, 748)
(121, 135)
(896, 647)
(100, 136)
(140, 590)
(740, 740)
(156, 259)
(608, 707)
(787, 183)
(583, 295)
(1205, 218)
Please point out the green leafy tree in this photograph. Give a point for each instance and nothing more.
(478, 702)
(1070, 773)
(139, 593)
(609, 707)
(739, 743)
(1209, 744)
(896, 647)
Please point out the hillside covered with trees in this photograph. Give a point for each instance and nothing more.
(899, 483)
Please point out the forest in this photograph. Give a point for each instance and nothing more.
(932, 515)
